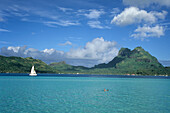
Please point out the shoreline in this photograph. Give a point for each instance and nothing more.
(85, 75)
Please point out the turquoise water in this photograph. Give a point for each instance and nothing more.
(23, 94)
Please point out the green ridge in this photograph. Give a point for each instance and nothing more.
(66, 68)
(137, 61)
(23, 65)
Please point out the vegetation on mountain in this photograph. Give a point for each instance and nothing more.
(168, 70)
(135, 62)
(23, 65)
(66, 68)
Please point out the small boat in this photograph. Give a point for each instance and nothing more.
(33, 72)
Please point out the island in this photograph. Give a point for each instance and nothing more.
(127, 62)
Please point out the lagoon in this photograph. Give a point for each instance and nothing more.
(63, 94)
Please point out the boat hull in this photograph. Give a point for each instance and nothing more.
(32, 74)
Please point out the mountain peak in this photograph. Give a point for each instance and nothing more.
(124, 52)
(139, 48)
(137, 61)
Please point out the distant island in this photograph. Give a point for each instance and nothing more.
(128, 62)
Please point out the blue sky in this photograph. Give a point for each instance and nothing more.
(83, 32)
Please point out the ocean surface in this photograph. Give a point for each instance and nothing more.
(45, 93)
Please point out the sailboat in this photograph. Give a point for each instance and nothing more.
(33, 73)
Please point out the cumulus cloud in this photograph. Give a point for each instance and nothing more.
(147, 31)
(146, 3)
(94, 14)
(47, 55)
(97, 24)
(98, 49)
(134, 15)
(13, 51)
(95, 52)
(66, 43)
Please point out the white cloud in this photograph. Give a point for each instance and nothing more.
(95, 52)
(115, 11)
(134, 15)
(4, 30)
(94, 14)
(26, 11)
(64, 9)
(61, 23)
(146, 3)
(97, 24)
(98, 49)
(49, 51)
(37, 11)
(66, 43)
(147, 31)
(13, 51)
(159, 15)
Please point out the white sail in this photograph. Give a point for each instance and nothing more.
(33, 72)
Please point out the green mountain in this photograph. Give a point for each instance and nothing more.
(23, 65)
(137, 61)
(66, 68)
(168, 70)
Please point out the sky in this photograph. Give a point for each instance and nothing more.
(84, 32)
